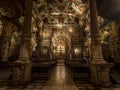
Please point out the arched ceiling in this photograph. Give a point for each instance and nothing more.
(56, 11)
(60, 14)
(108, 9)
(13, 9)
(64, 33)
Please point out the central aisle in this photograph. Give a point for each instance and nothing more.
(60, 80)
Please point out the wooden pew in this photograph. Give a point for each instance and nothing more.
(79, 71)
(43, 70)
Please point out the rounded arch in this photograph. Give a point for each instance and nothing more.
(62, 33)
(61, 46)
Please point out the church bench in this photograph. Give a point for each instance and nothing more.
(78, 70)
(43, 69)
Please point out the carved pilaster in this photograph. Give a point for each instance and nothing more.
(82, 40)
(99, 68)
(116, 43)
(45, 50)
(5, 43)
(77, 45)
(95, 33)
(37, 51)
(117, 50)
(39, 40)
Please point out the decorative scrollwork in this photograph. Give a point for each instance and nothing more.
(10, 9)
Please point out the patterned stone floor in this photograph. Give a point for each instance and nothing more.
(59, 80)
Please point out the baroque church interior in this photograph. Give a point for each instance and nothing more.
(59, 44)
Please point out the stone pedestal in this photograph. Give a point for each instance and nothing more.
(21, 72)
(100, 74)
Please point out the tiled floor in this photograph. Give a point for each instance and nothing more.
(60, 80)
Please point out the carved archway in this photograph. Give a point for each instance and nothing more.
(60, 47)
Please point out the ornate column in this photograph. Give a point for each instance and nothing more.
(5, 40)
(37, 47)
(22, 67)
(39, 39)
(50, 50)
(99, 68)
(1, 40)
(76, 45)
(117, 43)
(82, 40)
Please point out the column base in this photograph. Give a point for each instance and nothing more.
(100, 74)
(21, 72)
